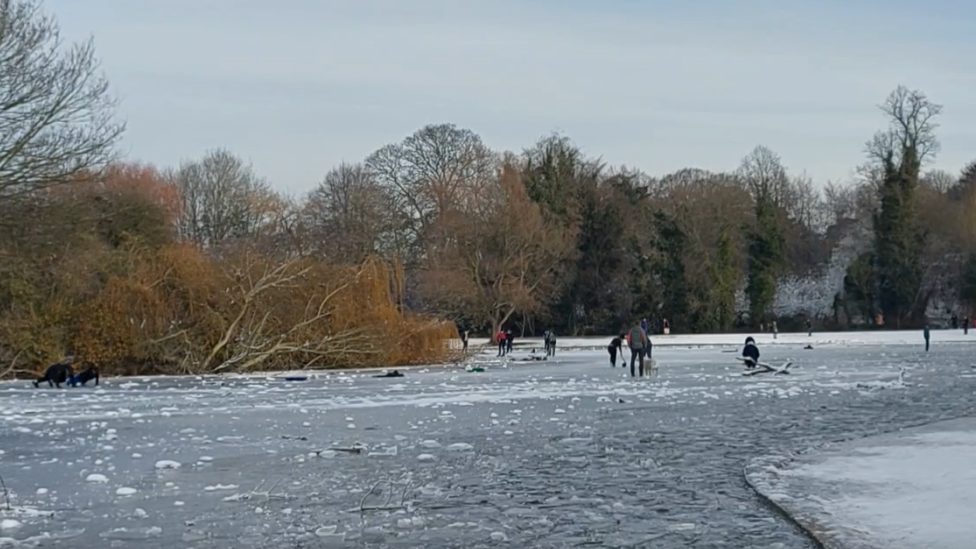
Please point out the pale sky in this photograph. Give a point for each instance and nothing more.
(297, 86)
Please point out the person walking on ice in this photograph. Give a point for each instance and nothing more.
(638, 342)
(926, 335)
(551, 343)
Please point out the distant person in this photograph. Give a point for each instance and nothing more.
(509, 341)
(926, 335)
(464, 342)
(965, 326)
(666, 327)
(84, 377)
(809, 328)
(616, 346)
(775, 330)
(501, 343)
(637, 340)
(551, 347)
(750, 353)
(56, 374)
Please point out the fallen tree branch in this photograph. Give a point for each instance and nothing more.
(13, 365)
(254, 494)
(387, 506)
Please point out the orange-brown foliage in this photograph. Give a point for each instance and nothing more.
(178, 311)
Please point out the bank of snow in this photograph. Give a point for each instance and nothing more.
(906, 490)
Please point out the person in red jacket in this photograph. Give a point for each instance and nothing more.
(501, 343)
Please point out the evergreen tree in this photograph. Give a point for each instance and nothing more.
(670, 269)
(725, 273)
(898, 154)
(967, 288)
(766, 179)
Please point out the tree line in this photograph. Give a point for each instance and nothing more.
(205, 267)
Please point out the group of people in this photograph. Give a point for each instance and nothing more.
(64, 372)
(640, 348)
(665, 326)
(506, 339)
(966, 323)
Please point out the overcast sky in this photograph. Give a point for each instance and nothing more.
(297, 86)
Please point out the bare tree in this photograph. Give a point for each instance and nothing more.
(222, 199)
(911, 128)
(350, 216)
(803, 204)
(765, 177)
(502, 258)
(939, 181)
(56, 115)
(431, 171)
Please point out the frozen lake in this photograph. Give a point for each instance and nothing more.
(522, 455)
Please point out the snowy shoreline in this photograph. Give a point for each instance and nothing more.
(892, 337)
(481, 346)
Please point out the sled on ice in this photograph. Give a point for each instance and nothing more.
(763, 368)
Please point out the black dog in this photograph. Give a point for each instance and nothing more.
(84, 377)
(394, 373)
(56, 374)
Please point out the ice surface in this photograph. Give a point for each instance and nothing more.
(568, 452)
(906, 490)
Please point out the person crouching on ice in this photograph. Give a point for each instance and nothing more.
(616, 346)
(750, 353)
(84, 377)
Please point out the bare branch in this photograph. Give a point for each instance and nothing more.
(56, 115)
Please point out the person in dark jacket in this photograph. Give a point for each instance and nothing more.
(509, 341)
(927, 336)
(750, 353)
(551, 344)
(616, 346)
(84, 377)
(637, 339)
(56, 374)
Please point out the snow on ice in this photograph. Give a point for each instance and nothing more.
(297, 461)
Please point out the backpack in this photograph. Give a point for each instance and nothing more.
(636, 338)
